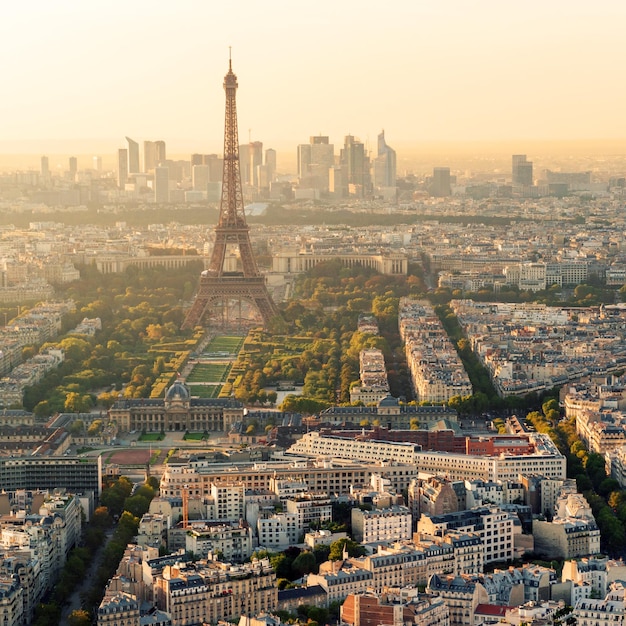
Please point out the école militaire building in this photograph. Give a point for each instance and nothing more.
(177, 411)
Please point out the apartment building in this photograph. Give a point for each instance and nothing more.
(493, 525)
(609, 611)
(546, 459)
(461, 594)
(573, 532)
(326, 477)
(437, 373)
(310, 508)
(233, 541)
(119, 609)
(208, 591)
(388, 524)
(372, 610)
(278, 531)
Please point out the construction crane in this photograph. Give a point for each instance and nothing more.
(185, 494)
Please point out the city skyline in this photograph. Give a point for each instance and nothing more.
(426, 72)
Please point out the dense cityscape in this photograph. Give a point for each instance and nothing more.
(343, 383)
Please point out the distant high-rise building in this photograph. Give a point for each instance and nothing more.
(250, 157)
(304, 160)
(73, 168)
(441, 182)
(244, 163)
(149, 155)
(45, 167)
(315, 159)
(97, 163)
(161, 185)
(256, 160)
(133, 156)
(270, 161)
(337, 184)
(161, 154)
(356, 165)
(200, 177)
(197, 159)
(215, 163)
(216, 167)
(522, 171)
(122, 167)
(153, 154)
(384, 164)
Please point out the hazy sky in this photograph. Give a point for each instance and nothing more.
(424, 70)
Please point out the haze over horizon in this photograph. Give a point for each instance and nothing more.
(429, 73)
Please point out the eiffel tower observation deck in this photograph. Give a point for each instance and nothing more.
(218, 289)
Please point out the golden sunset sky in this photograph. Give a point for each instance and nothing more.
(424, 70)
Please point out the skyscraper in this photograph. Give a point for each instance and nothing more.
(270, 161)
(522, 170)
(149, 155)
(356, 165)
(384, 164)
(122, 167)
(153, 154)
(73, 168)
(250, 157)
(97, 163)
(133, 156)
(45, 167)
(161, 185)
(215, 163)
(200, 177)
(256, 159)
(441, 182)
(244, 163)
(315, 159)
(161, 154)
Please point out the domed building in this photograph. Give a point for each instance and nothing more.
(177, 411)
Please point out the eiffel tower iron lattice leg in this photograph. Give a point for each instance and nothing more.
(217, 285)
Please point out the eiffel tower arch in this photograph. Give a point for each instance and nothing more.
(221, 284)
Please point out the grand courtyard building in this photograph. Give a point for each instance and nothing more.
(178, 411)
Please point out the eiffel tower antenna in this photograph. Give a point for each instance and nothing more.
(218, 286)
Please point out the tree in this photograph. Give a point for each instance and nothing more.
(95, 428)
(77, 402)
(337, 547)
(113, 500)
(281, 565)
(101, 518)
(46, 614)
(304, 563)
(79, 617)
(28, 352)
(43, 409)
(76, 427)
(321, 553)
(318, 614)
(137, 505)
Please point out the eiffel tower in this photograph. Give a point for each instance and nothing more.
(218, 286)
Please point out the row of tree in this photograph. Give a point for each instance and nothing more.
(137, 318)
(604, 494)
(121, 504)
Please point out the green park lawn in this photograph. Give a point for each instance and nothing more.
(194, 436)
(225, 344)
(205, 391)
(209, 373)
(151, 437)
